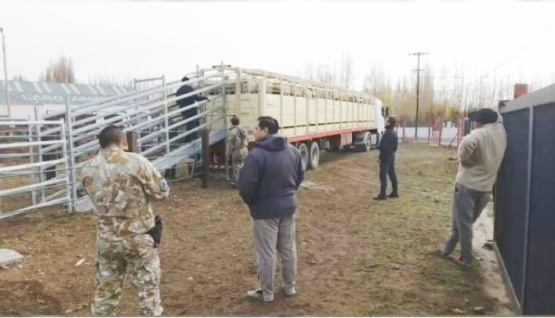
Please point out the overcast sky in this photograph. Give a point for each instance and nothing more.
(139, 39)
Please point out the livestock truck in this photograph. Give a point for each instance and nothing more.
(313, 115)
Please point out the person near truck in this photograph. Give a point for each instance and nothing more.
(268, 184)
(480, 154)
(193, 111)
(236, 148)
(388, 148)
(121, 186)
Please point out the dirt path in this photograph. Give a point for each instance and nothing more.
(356, 256)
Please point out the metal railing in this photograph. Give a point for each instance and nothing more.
(26, 169)
(70, 137)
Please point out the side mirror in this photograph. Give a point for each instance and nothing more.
(385, 112)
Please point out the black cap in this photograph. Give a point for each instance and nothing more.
(484, 116)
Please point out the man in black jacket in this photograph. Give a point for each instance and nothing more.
(388, 147)
(268, 184)
(188, 101)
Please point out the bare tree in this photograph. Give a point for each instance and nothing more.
(427, 106)
(308, 70)
(326, 74)
(18, 77)
(378, 84)
(347, 71)
(110, 81)
(60, 71)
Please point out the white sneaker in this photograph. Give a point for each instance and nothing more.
(257, 294)
(289, 292)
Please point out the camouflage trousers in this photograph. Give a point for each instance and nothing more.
(113, 259)
(237, 161)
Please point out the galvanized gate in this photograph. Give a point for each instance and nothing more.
(152, 114)
(26, 181)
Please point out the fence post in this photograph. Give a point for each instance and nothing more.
(440, 131)
(205, 157)
(133, 144)
(467, 126)
(39, 154)
(224, 103)
(404, 132)
(166, 119)
(460, 131)
(71, 168)
(31, 160)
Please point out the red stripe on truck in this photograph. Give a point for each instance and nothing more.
(322, 134)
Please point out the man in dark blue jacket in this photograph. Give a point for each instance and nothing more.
(188, 101)
(388, 147)
(268, 184)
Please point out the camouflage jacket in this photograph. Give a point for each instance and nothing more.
(121, 186)
(236, 139)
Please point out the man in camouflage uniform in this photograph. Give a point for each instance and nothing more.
(236, 148)
(121, 186)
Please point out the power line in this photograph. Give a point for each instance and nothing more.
(490, 76)
(506, 61)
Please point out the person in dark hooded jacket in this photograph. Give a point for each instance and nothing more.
(188, 101)
(388, 148)
(268, 184)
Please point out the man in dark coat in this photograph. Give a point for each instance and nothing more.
(188, 101)
(268, 184)
(388, 147)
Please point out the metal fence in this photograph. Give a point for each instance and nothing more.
(524, 202)
(152, 114)
(26, 181)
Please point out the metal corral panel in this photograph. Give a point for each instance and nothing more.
(525, 201)
(511, 189)
(540, 271)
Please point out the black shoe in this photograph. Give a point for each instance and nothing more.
(393, 195)
(380, 197)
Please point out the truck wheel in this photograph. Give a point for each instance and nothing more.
(303, 149)
(367, 142)
(314, 156)
(375, 140)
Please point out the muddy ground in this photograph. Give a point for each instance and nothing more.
(356, 256)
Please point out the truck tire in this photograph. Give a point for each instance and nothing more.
(314, 155)
(375, 140)
(303, 149)
(367, 142)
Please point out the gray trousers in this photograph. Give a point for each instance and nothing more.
(468, 204)
(271, 235)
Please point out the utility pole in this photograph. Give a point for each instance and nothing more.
(6, 74)
(418, 54)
